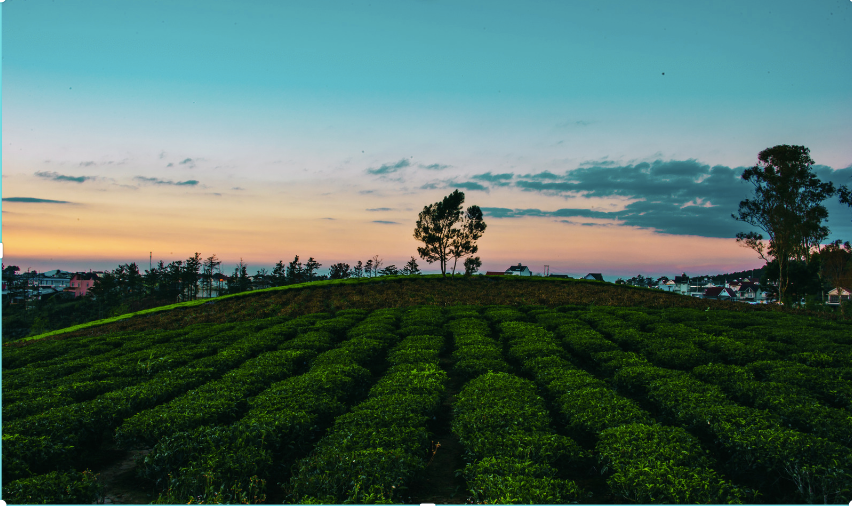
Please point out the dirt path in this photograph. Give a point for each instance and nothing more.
(439, 484)
(117, 474)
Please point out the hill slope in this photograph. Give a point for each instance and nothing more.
(391, 390)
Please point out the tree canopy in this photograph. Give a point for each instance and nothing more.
(447, 231)
(786, 205)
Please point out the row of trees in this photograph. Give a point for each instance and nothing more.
(787, 206)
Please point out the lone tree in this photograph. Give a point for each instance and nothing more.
(442, 240)
(786, 205)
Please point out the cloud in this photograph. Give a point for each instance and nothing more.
(469, 185)
(541, 175)
(86, 164)
(682, 197)
(158, 181)
(31, 200)
(237, 188)
(502, 212)
(385, 222)
(434, 166)
(390, 168)
(332, 219)
(170, 165)
(493, 178)
(188, 162)
(53, 176)
(380, 209)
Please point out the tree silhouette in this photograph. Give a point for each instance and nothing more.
(339, 271)
(411, 267)
(441, 241)
(786, 205)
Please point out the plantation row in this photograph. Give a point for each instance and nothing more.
(654, 406)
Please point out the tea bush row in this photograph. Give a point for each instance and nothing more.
(794, 405)
(282, 423)
(83, 424)
(625, 437)
(373, 451)
(510, 448)
(756, 447)
(108, 375)
(475, 351)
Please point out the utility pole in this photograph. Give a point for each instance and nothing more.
(546, 270)
(150, 257)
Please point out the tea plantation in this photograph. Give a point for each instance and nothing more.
(574, 403)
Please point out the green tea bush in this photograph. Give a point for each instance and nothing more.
(509, 445)
(374, 450)
(659, 464)
(54, 488)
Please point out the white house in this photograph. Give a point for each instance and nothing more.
(518, 270)
(835, 298)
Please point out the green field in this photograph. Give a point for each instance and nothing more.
(435, 390)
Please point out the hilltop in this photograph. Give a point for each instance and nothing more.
(394, 292)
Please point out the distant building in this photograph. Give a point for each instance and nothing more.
(495, 273)
(594, 276)
(835, 297)
(518, 270)
(719, 293)
(82, 282)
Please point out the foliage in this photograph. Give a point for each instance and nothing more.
(436, 229)
(54, 488)
(786, 205)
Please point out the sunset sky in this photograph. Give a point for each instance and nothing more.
(596, 136)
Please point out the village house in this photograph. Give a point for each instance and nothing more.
(82, 282)
(594, 276)
(836, 296)
(518, 270)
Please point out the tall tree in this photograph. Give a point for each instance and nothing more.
(786, 205)
(358, 270)
(295, 272)
(368, 268)
(239, 281)
(377, 262)
(207, 270)
(435, 229)
(464, 243)
(190, 276)
(339, 271)
(279, 274)
(311, 266)
(411, 267)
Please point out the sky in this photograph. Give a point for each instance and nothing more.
(596, 136)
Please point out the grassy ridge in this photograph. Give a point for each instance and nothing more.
(392, 291)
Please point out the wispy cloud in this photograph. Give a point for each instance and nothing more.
(188, 162)
(86, 164)
(31, 200)
(390, 168)
(493, 178)
(434, 166)
(53, 176)
(158, 181)
(383, 222)
(378, 209)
